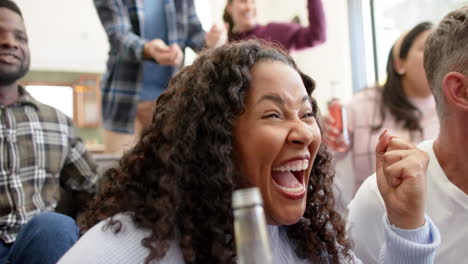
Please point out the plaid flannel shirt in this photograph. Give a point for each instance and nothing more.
(38, 153)
(123, 23)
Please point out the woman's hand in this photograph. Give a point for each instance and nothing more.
(333, 136)
(401, 178)
(217, 36)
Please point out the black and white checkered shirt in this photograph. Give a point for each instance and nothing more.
(38, 153)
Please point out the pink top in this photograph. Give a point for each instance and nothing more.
(292, 36)
(363, 112)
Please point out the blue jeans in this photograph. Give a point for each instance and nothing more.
(43, 240)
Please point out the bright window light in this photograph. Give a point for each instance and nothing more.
(60, 97)
(203, 9)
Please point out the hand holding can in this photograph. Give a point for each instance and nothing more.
(335, 127)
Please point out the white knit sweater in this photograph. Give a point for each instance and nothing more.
(103, 246)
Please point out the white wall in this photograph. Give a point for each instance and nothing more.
(395, 17)
(64, 35)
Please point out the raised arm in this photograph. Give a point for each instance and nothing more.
(386, 217)
(316, 32)
(294, 36)
(410, 236)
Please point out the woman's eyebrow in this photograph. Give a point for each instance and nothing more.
(271, 97)
(278, 100)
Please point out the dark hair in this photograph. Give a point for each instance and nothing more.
(229, 20)
(12, 6)
(181, 174)
(393, 96)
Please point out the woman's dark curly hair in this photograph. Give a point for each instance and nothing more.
(393, 96)
(180, 176)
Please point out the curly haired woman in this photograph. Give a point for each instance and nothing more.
(240, 116)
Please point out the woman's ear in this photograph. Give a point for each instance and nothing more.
(399, 65)
(455, 87)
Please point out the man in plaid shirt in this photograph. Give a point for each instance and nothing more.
(38, 153)
(147, 39)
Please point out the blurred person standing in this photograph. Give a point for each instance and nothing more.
(404, 105)
(39, 153)
(147, 42)
(241, 17)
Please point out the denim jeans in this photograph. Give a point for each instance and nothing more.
(43, 240)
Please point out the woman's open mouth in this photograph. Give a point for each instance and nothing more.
(289, 178)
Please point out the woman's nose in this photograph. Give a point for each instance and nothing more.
(301, 134)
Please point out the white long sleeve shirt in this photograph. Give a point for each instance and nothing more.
(103, 246)
(446, 205)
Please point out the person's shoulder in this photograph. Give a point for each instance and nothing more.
(365, 223)
(369, 186)
(368, 198)
(125, 227)
(52, 114)
(44, 111)
(426, 145)
(278, 27)
(105, 243)
(274, 31)
(370, 94)
(47, 108)
(362, 103)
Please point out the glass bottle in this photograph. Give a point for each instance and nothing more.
(251, 236)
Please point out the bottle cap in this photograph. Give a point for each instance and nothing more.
(246, 198)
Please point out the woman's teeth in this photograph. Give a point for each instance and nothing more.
(298, 189)
(298, 165)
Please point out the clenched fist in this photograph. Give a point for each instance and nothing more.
(401, 178)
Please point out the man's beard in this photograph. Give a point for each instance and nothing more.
(7, 78)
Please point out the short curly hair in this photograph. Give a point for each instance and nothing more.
(181, 174)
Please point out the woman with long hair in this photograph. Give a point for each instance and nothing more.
(241, 19)
(240, 116)
(404, 104)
